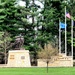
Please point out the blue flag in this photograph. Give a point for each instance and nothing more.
(62, 25)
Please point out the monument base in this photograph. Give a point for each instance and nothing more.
(19, 58)
(57, 61)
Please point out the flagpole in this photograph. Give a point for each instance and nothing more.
(72, 36)
(59, 38)
(65, 34)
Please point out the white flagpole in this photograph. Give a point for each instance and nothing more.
(59, 38)
(65, 34)
(72, 36)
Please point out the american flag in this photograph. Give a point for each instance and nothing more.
(68, 15)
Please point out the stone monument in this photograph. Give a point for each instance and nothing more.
(58, 61)
(18, 57)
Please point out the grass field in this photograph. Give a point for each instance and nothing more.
(37, 71)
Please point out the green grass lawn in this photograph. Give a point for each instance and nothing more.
(37, 71)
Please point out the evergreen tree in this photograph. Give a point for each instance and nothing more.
(50, 21)
(3, 15)
(8, 22)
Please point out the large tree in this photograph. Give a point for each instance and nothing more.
(8, 19)
(5, 44)
(50, 20)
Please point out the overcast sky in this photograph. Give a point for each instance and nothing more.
(22, 3)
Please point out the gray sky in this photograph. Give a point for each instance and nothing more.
(22, 3)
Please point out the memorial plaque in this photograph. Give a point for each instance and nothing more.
(22, 57)
(11, 56)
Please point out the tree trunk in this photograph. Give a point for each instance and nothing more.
(47, 66)
(5, 52)
(5, 49)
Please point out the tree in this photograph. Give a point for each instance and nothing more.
(8, 16)
(49, 21)
(2, 12)
(47, 52)
(5, 44)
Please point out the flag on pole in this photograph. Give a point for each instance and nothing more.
(68, 15)
(72, 23)
(62, 25)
